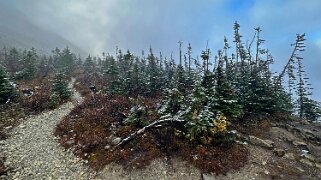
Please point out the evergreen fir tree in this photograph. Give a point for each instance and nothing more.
(64, 61)
(6, 89)
(112, 74)
(189, 53)
(137, 78)
(127, 71)
(302, 89)
(170, 73)
(173, 103)
(12, 63)
(153, 74)
(89, 65)
(79, 61)
(311, 109)
(29, 65)
(225, 96)
(208, 81)
(137, 116)
(180, 80)
(60, 88)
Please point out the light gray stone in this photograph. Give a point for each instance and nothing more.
(106, 147)
(300, 169)
(71, 142)
(307, 162)
(289, 156)
(260, 142)
(309, 157)
(299, 144)
(208, 176)
(116, 140)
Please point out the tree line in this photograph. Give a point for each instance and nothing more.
(236, 82)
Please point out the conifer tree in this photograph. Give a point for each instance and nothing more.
(3, 56)
(237, 40)
(138, 115)
(29, 65)
(89, 65)
(42, 65)
(208, 80)
(144, 74)
(60, 87)
(153, 73)
(136, 78)
(189, 72)
(79, 61)
(302, 89)
(65, 61)
(180, 79)
(170, 68)
(112, 74)
(225, 96)
(12, 62)
(127, 71)
(228, 62)
(6, 89)
(241, 76)
(311, 109)
(189, 53)
(173, 103)
(260, 94)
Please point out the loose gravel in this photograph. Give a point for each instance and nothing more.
(34, 153)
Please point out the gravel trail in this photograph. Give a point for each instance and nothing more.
(34, 153)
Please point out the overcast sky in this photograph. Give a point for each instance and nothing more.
(101, 25)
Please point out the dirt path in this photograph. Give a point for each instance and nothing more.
(33, 152)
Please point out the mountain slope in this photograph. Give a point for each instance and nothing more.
(18, 31)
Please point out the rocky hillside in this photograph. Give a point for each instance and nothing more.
(286, 151)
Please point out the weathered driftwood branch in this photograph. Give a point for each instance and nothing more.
(150, 126)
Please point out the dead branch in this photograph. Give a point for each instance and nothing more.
(155, 124)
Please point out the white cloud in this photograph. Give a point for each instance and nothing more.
(318, 43)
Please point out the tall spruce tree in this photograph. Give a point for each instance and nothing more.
(302, 90)
(112, 74)
(153, 73)
(225, 100)
(65, 61)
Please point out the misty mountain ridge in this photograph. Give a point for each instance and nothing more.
(18, 31)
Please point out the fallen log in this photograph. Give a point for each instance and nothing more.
(155, 124)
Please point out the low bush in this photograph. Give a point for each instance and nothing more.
(93, 129)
